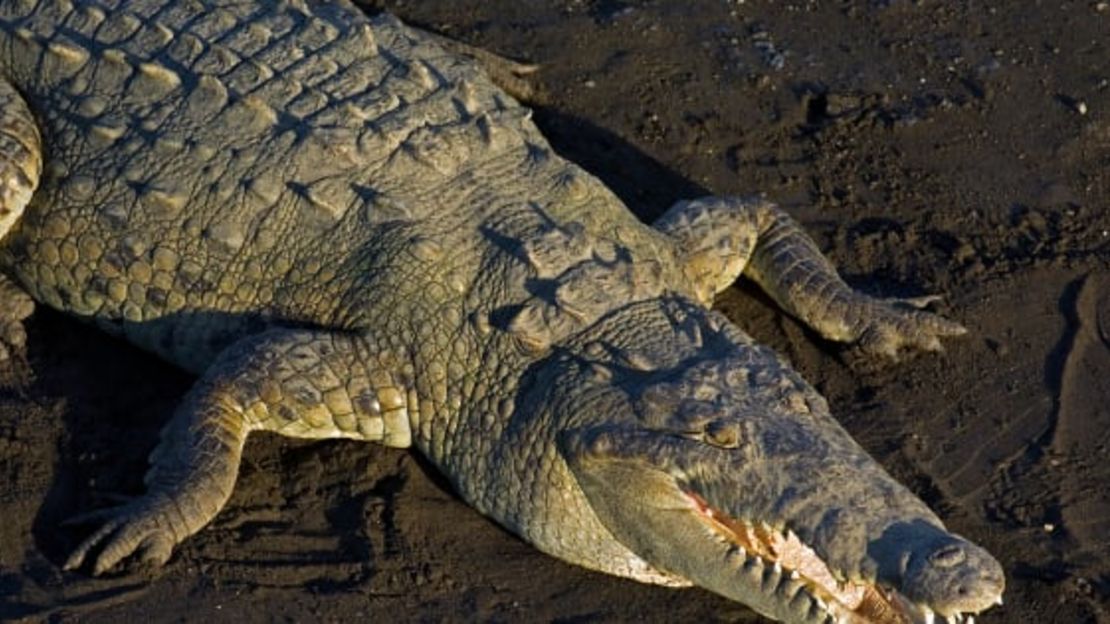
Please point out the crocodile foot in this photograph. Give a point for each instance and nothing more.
(145, 527)
(890, 326)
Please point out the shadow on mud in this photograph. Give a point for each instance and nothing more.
(645, 185)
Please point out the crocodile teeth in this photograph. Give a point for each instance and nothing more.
(930, 618)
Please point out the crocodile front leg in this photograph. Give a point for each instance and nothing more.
(302, 384)
(20, 166)
(723, 237)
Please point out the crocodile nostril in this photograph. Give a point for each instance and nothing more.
(948, 556)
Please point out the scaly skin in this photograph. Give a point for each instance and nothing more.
(350, 232)
(20, 167)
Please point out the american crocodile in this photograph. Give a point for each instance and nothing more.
(348, 230)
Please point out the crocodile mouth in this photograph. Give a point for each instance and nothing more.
(777, 558)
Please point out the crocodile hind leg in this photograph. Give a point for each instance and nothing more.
(305, 384)
(20, 166)
(723, 237)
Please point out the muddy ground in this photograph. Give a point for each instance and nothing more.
(929, 147)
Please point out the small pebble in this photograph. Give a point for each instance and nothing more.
(1081, 107)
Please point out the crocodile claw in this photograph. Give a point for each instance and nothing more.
(143, 528)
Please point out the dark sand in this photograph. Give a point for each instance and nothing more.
(930, 147)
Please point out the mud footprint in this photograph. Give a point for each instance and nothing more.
(1081, 441)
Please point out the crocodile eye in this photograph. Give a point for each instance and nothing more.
(725, 434)
(948, 556)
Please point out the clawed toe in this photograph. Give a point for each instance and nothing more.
(919, 303)
(132, 529)
(155, 549)
(880, 341)
(77, 557)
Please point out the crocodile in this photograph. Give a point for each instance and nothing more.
(347, 229)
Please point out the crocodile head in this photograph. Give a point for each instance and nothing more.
(729, 471)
